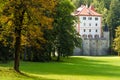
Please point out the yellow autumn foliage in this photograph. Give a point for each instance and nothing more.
(116, 43)
(36, 18)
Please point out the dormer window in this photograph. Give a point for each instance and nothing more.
(84, 18)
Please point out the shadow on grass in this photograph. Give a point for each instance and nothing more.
(74, 66)
(12, 74)
(33, 76)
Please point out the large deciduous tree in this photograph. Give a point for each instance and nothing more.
(65, 37)
(26, 16)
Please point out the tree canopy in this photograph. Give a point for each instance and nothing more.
(21, 16)
(66, 36)
(116, 43)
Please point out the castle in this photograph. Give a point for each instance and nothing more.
(95, 39)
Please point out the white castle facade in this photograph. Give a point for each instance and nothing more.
(95, 40)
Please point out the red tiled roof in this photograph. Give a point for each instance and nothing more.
(85, 11)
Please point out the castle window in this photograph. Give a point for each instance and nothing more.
(89, 24)
(89, 36)
(89, 18)
(96, 36)
(84, 36)
(96, 18)
(96, 30)
(84, 30)
(96, 24)
(89, 30)
(84, 24)
(84, 18)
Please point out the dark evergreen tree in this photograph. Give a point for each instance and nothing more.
(113, 19)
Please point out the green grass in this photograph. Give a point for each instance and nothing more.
(73, 68)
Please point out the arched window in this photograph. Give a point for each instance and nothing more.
(96, 36)
(90, 36)
(84, 36)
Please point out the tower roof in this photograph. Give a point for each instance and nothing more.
(85, 11)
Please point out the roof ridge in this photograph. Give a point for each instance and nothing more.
(87, 11)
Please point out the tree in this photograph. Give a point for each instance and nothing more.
(116, 43)
(78, 3)
(66, 37)
(113, 18)
(100, 8)
(13, 18)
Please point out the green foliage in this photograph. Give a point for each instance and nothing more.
(22, 16)
(5, 53)
(65, 33)
(100, 8)
(113, 16)
(78, 3)
(116, 43)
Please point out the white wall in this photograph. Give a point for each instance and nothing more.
(84, 24)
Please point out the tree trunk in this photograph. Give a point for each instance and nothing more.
(17, 49)
(58, 57)
(118, 53)
(18, 16)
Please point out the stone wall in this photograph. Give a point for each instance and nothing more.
(94, 46)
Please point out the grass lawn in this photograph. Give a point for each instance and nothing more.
(73, 68)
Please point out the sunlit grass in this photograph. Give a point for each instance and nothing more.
(74, 68)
